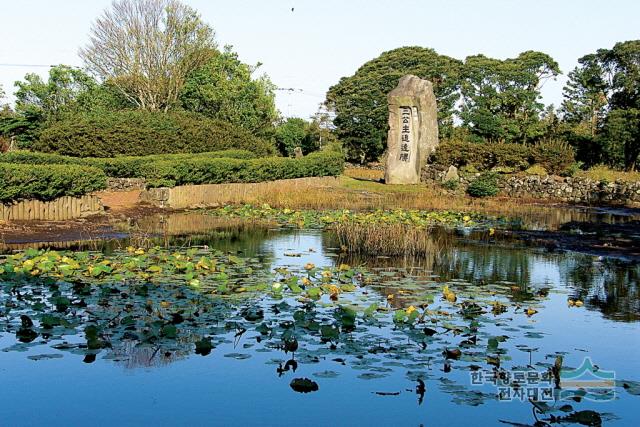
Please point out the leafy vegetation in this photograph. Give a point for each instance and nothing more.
(501, 98)
(223, 89)
(140, 133)
(413, 218)
(118, 167)
(601, 106)
(484, 186)
(200, 302)
(603, 173)
(215, 171)
(47, 182)
(554, 156)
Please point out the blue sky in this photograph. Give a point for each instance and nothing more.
(311, 47)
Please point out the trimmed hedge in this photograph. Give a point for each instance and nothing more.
(167, 173)
(555, 157)
(117, 167)
(47, 182)
(140, 133)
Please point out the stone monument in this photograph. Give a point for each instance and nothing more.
(413, 129)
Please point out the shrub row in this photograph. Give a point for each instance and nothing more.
(168, 173)
(47, 182)
(555, 157)
(140, 133)
(117, 167)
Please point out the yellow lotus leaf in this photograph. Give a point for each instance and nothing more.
(410, 310)
(531, 311)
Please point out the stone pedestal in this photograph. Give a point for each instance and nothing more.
(413, 129)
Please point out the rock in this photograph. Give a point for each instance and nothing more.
(297, 152)
(413, 130)
(452, 174)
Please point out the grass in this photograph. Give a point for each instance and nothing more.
(345, 192)
(388, 240)
(603, 173)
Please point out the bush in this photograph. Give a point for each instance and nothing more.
(554, 156)
(605, 174)
(536, 170)
(47, 182)
(483, 186)
(451, 184)
(140, 133)
(169, 173)
(118, 167)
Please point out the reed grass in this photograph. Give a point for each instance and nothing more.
(387, 240)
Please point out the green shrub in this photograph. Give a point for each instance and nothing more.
(140, 133)
(169, 173)
(502, 169)
(118, 167)
(451, 184)
(484, 185)
(536, 170)
(573, 169)
(47, 182)
(554, 156)
(483, 156)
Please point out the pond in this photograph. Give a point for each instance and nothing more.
(277, 327)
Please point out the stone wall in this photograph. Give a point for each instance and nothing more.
(126, 184)
(566, 189)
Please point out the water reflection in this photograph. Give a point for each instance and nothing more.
(355, 359)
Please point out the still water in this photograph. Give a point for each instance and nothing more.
(374, 372)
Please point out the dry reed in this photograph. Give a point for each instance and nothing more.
(387, 240)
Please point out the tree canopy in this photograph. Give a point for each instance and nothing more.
(147, 48)
(602, 100)
(501, 98)
(224, 88)
(360, 101)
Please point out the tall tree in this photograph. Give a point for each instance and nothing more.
(360, 101)
(147, 48)
(501, 98)
(65, 88)
(601, 101)
(620, 137)
(224, 88)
